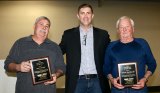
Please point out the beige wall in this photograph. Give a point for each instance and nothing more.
(17, 19)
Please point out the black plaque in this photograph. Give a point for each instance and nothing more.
(40, 69)
(128, 74)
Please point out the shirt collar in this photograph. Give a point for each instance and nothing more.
(29, 38)
(88, 30)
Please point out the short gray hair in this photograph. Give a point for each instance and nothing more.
(124, 17)
(43, 17)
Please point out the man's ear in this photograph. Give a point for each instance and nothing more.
(77, 16)
(33, 26)
(92, 16)
(133, 29)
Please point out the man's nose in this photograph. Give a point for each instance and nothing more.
(124, 29)
(86, 14)
(44, 27)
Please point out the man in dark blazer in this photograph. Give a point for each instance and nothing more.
(84, 47)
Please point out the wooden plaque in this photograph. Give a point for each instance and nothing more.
(40, 69)
(128, 74)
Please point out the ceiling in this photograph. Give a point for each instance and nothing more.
(99, 2)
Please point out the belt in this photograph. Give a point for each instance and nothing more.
(88, 76)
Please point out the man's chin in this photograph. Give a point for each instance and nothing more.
(42, 36)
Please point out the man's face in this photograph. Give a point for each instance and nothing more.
(85, 16)
(41, 29)
(125, 28)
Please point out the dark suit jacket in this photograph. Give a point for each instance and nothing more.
(70, 44)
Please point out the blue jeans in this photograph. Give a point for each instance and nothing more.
(129, 90)
(88, 85)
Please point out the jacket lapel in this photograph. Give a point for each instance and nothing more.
(77, 44)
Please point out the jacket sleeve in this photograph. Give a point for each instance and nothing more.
(63, 43)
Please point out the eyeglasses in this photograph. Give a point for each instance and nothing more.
(84, 40)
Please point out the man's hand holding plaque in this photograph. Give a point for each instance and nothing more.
(54, 79)
(114, 81)
(128, 74)
(23, 67)
(40, 69)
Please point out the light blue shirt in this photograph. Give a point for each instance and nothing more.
(87, 52)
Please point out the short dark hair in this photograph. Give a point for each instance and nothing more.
(85, 5)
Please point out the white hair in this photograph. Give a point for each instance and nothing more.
(124, 17)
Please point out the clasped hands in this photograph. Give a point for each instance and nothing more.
(140, 84)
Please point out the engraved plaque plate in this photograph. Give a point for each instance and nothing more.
(128, 74)
(40, 69)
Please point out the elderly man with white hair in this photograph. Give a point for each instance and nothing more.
(127, 50)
